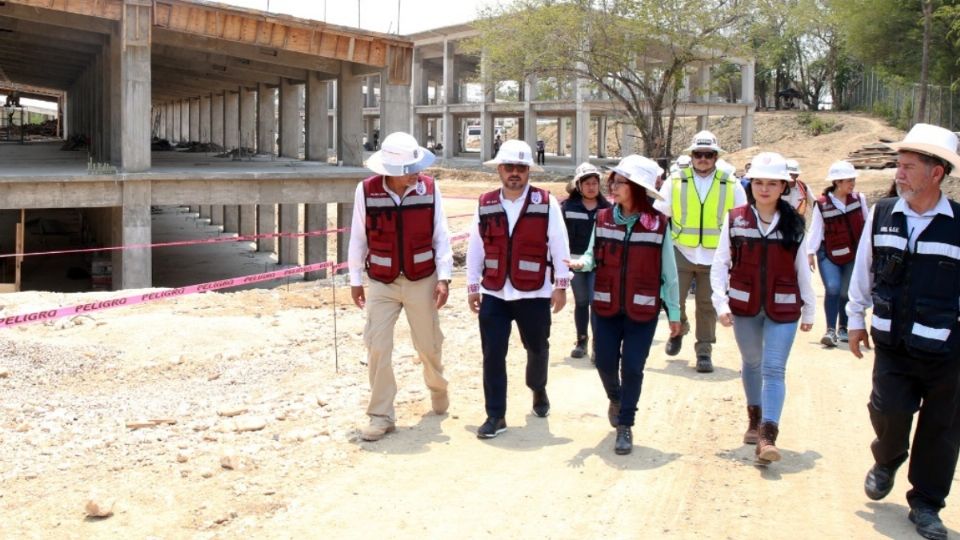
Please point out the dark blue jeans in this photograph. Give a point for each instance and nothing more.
(496, 321)
(582, 286)
(836, 283)
(622, 346)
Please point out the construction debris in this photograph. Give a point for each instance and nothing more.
(873, 156)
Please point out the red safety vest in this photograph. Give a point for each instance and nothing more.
(841, 228)
(399, 238)
(628, 267)
(522, 254)
(763, 274)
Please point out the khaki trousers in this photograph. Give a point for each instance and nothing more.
(706, 331)
(384, 302)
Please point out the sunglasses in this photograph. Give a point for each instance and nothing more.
(514, 167)
(703, 155)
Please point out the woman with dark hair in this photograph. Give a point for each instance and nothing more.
(761, 287)
(632, 253)
(579, 214)
(838, 219)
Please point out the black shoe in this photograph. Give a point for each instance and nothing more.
(704, 364)
(624, 444)
(491, 428)
(580, 350)
(673, 345)
(928, 523)
(613, 413)
(541, 404)
(879, 481)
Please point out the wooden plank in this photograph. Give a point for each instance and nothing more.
(328, 45)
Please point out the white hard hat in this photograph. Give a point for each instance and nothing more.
(514, 151)
(768, 166)
(793, 166)
(705, 140)
(841, 170)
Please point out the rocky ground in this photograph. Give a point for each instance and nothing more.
(235, 415)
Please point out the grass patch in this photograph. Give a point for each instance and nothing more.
(816, 125)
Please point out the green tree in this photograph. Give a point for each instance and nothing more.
(635, 51)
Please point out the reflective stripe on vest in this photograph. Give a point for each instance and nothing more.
(698, 223)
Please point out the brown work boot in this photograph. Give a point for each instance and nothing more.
(767, 450)
(440, 400)
(751, 436)
(377, 428)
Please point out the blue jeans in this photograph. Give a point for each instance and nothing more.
(764, 348)
(582, 286)
(836, 283)
(622, 346)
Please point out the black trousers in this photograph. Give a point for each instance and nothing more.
(496, 321)
(902, 385)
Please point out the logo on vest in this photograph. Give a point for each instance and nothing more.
(740, 222)
(650, 221)
(421, 188)
(535, 197)
(888, 229)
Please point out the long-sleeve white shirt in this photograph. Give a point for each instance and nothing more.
(697, 255)
(722, 262)
(860, 296)
(357, 255)
(558, 251)
(815, 236)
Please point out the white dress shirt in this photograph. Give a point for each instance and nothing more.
(357, 255)
(860, 295)
(698, 255)
(722, 262)
(558, 251)
(815, 236)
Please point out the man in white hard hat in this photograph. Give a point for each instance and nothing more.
(799, 195)
(697, 200)
(908, 270)
(399, 237)
(516, 272)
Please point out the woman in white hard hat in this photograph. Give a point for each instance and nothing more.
(579, 215)
(632, 253)
(761, 287)
(838, 219)
(799, 195)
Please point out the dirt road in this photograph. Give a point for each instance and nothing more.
(68, 390)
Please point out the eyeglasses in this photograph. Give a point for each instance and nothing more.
(515, 167)
(703, 155)
(615, 184)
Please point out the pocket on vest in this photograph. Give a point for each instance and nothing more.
(786, 299)
(933, 322)
(739, 294)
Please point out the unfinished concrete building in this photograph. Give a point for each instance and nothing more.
(184, 70)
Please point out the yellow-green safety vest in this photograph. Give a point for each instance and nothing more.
(695, 223)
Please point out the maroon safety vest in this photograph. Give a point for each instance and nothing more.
(628, 266)
(841, 228)
(763, 274)
(399, 237)
(522, 254)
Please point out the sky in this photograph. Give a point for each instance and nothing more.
(376, 15)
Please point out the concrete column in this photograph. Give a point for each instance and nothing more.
(134, 101)
(486, 115)
(629, 139)
(216, 215)
(601, 137)
(344, 220)
(561, 136)
(317, 138)
(368, 92)
(195, 209)
(703, 95)
(206, 211)
(134, 221)
(231, 120)
(170, 134)
(195, 119)
(349, 117)
(289, 223)
(449, 127)
(231, 218)
(248, 220)
(206, 120)
(581, 127)
(184, 120)
(746, 91)
(315, 247)
(267, 224)
(394, 107)
(290, 129)
(266, 120)
(216, 119)
(248, 118)
(418, 94)
(529, 132)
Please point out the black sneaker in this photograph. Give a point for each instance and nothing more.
(579, 351)
(673, 345)
(491, 428)
(928, 523)
(624, 444)
(613, 413)
(879, 481)
(704, 364)
(541, 403)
